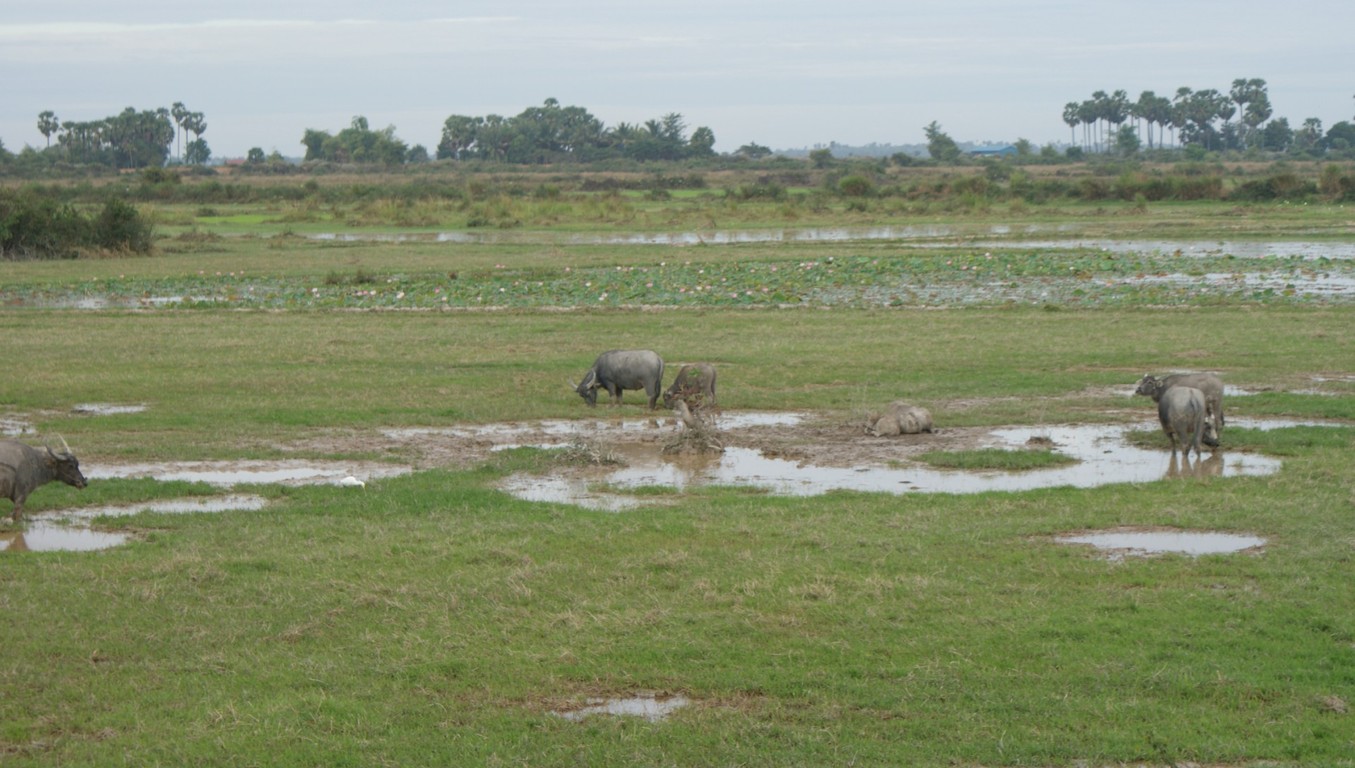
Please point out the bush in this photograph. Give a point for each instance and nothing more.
(121, 227)
(36, 226)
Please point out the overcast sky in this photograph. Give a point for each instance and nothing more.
(781, 73)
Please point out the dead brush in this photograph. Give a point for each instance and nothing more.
(698, 433)
(588, 453)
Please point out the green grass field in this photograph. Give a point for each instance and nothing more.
(430, 619)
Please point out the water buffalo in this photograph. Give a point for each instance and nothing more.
(622, 369)
(23, 468)
(1207, 383)
(899, 418)
(1181, 410)
(692, 379)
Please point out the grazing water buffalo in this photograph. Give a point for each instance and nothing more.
(23, 468)
(692, 379)
(1208, 384)
(1182, 413)
(622, 369)
(899, 418)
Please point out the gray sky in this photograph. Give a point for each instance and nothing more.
(784, 74)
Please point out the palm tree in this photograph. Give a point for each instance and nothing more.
(1071, 119)
(48, 124)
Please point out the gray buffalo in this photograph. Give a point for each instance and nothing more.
(899, 418)
(692, 379)
(1181, 410)
(23, 468)
(1208, 384)
(622, 369)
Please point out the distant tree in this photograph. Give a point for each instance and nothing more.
(314, 141)
(940, 145)
(702, 143)
(1073, 117)
(417, 154)
(1127, 141)
(254, 156)
(821, 158)
(1024, 148)
(1341, 137)
(1277, 136)
(753, 151)
(48, 124)
(459, 134)
(197, 152)
(1253, 103)
(179, 113)
(1308, 138)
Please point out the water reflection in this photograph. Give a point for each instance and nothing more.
(48, 536)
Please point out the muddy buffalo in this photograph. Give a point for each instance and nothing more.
(622, 369)
(899, 418)
(24, 468)
(693, 379)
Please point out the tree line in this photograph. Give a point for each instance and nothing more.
(1202, 119)
(131, 139)
(550, 133)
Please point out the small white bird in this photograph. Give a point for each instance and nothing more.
(352, 482)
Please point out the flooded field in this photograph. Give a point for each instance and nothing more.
(1036, 236)
(781, 453)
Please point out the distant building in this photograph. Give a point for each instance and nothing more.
(1006, 150)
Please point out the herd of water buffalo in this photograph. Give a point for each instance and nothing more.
(1189, 407)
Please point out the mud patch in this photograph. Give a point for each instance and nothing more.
(1119, 544)
(228, 474)
(651, 708)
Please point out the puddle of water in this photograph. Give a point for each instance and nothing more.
(107, 409)
(1121, 544)
(15, 427)
(226, 474)
(1102, 453)
(46, 536)
(648, 707)
(231, 503)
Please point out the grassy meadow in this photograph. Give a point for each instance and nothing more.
(431, 619)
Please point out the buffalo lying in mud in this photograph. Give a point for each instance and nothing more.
(1208, 384)
(1182, 412)
(622, 369)
(23, 468)
(693, 380)
(899, 418)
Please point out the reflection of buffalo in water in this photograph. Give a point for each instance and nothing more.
(13, 541)
(1203, 467)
